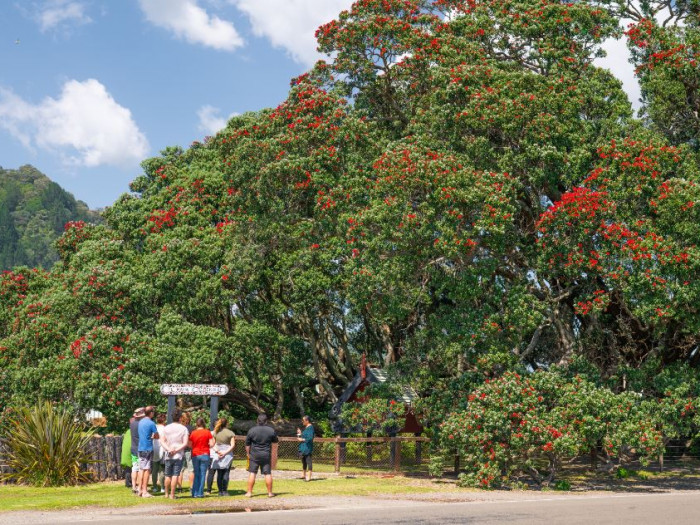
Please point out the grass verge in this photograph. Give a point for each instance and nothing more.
(114, 494)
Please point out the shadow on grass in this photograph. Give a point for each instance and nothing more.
(234, 493)
(637, 478)
(264, 495)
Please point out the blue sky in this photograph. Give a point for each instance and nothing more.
(89, 88)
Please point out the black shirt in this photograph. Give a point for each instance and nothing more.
(134, 427)
(260, 439)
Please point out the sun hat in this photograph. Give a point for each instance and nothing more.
(140, 412)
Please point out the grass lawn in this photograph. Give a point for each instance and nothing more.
(327, 468)
(114, 494)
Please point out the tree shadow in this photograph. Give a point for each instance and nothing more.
(635, 478)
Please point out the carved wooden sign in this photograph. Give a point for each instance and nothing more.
(174, 389)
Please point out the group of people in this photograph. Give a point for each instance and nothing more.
(166, 452)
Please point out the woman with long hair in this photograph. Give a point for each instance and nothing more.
(222, 456)
(201, 442)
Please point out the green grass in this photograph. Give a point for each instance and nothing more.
(99, 494)
(295, 464)
(15, 498)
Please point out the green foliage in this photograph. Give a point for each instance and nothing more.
(33, 211)
(530, 424)
(458, 193)
(47, 447)
(622, 473)
(378, 409)
(436, 465)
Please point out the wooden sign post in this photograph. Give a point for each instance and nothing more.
(174, 390)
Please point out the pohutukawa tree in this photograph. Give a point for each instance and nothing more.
(459, 193)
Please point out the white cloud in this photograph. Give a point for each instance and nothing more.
(617, 61)
(211, 121)
(85, 125)
(186, 19)
(291, 24)
(54, 13)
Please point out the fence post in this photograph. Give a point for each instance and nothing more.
(273, 460)
(368, 450)
(456, 463)
(337, 454)
(111, 461)
(396, 444)
(661, 460)
(392, 449)
(419, 449)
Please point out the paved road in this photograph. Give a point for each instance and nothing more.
(639, 509)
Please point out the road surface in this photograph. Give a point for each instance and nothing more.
(674, 508)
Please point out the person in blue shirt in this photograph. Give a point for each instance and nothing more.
(147, 433)
(306, 447)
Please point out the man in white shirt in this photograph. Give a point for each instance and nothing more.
(173, 441)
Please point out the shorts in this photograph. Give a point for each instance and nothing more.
(259, 463)
(306, 462)
(134, 463)
(145, 459)
(173, 468)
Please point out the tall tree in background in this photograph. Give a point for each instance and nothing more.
(458, 193)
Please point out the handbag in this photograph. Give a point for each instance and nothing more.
(220, 463)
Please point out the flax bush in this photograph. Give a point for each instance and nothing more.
(47, 447)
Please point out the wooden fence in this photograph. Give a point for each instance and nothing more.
(397, 454)
(107, 453)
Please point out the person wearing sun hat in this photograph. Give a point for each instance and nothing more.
(138, 415)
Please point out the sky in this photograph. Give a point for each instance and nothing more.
(90, 88)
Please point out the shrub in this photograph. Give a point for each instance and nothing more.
(377, 411)
(531, 424)
(562, 485)
(622, 473)
(47, 447)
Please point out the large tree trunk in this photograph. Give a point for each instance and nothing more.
(245, 399)
(298, 399)
(315, 350)
(279, 391)
(385, 334)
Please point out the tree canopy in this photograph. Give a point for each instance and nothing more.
(459, 193)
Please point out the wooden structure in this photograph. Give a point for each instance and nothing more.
(368, 375)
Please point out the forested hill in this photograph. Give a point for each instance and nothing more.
(33, 211)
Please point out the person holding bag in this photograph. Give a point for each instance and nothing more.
(222, 455)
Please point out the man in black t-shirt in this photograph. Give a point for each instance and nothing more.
(258, 447)
(139, 414)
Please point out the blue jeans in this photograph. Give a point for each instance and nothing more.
(200, 464)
